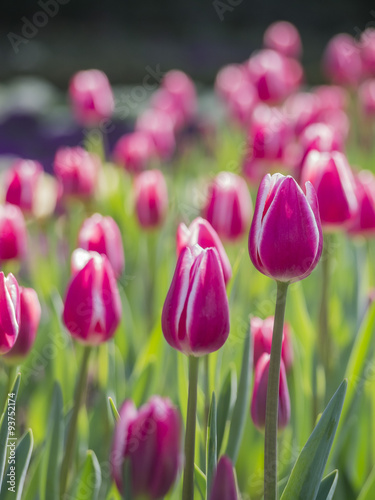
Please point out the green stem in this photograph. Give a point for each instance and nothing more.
(272, 404)
(188, 482)
(323, 336)
(206, 391)
(78, 401)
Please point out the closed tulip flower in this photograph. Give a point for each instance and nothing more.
(13, 236)
(92, 307)
(151, 198)
(285, 241)
(150, 438)
(284, 38)
(332, 97)
(182, 90)
(230, 79)
(364, 221)
(367, 48)
(134, 151)
(195, 318)
(224, 483)
(342, 60)
(21, 183)
(160, 127)
(259, 396)
(201, 232)
(9, 312)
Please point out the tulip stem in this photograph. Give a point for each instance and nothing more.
(324, 340)
(78, 401)
(272, 404)
(206, 391)
(188, 482)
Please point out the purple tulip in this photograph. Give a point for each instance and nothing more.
(224, 483)
(10, 312)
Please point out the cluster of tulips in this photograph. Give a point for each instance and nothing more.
(302, 133)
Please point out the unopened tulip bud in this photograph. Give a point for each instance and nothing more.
(367, 48)
(230, 79)
(151, 198)
(301, 109)
(10, 306)
(182, 89)
(224, 483)
(159, 126)
(342, 60)
(21, 183)
(134, 151)
(13, 235)
(284, 38)
(364, 221)
(332, 97)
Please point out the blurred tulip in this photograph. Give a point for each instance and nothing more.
(202, 233)
(284, 38)
(367, 47)
(342, 60)
(182, 89)
(228, 208)
(9, 312)
(91, 97)
(333, 180)
(151, 198)
(366, 96)
(101, 234)
(21, 183)
(301, 110)
(134, 151)
(262, 331)
(224, 483)
(339, 121)
(321, 137)
(285, 241)
(241, 104)
(259, 396)
(164, 101)
(159, 126)
(230, 79)
(332, 97)
(30, 312)
(150, 438)
(92, 308)
(13, 235)
(364, 221)
(195, 318)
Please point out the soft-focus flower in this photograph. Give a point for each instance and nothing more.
(241, 104)
(259, 396)
(21, 183)
(301, 110)
(182, 89)
(92, 307)
(13, 235)
(367, 47)
(364, 221)
(195, 318)
(151, 198)
(28, 325)
(332, 97)
(228, 208)
(342, 60)
(284, 38)
(202, 233)
(262, 331)
(224, 483)
(91, 97)
(285, 241)
(150, 438)
(160, 127)
(230, 79)
(9, 312)
(333, 180)
(366, 96)
(134, 151)
(101, 234)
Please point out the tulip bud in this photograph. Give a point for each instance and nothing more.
(301, 109)
(285, 241)
(230, 79)
(77, 170)
(101, 234)
(259, 397)
(366, 95)
(21, 183)
(92, 308)
(182, 90)
(321, 137)
(13, 236)
(150, 438)
(134, 151)
(91, 97)
(159, 126)
(262, 332)
(224, 483)
(28, 325)
(241, 104)
(342, 60)
(367, 47)
(202, 233)
(284, 38)
(332, 97)
(164, 101)
(151, 198)
(195, 318)
(228, 208)
(364, 220)
(9, 312)
(333, 180)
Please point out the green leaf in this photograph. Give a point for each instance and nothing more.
(368, 490)
(241, 406)
(114, 410)
(328, 486)
(200, 481)
(211, 447)
(225, 404)
(142, 384)
(20, 466)
(304, 480)
(89, 480)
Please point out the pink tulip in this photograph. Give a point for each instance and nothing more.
(150, 438)
(202, 233)
(9, 312)
(342, 60)
(230, 80)
(228, 208)
(92, 308)
(301, 110)
(162, 100)
(339, 121)
(364, 221)
(332, 97)
(321, 137)
(21, 183)
(195, 318)
(160, 127)
(151, 198)
(91, 97)
(366, 95)
(224, 483)
(285, 241)
(134, 151)
(367, 48)
(259, 396)
(182, 89)
(13, 235)
(101, 234)
(284, 38)
(241, 104)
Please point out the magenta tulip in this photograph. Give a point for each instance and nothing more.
(13, 235)
(364, 221)
(150, 438)
(10, 312)
(332, 97)
(230, 79)
(367, 48)
(301, 110)
(284, 38)
(224, 483)
(182, 90)
(195, 318)
(366, 95)
(342, 60)
(151, 198)
(285, 241)
(135, 151)
(21, 183)
(160, 127)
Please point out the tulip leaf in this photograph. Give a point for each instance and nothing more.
(142, 384)
(200, 481)
(304, 480)
(368, 490)
(328, 486)
(241, 406)
(20, 466)
(88, 483)
(211, 447)
(114, 410)
(224, 405)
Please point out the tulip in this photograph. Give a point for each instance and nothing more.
(134, 151)
(162, 100)
(202, 233)
(92, 307)
(149, 438)
(284, 38)
(228, 207)
(151, 198)
(182, 90)
(321, 137)
(21, 183)
(259, 396)
(367, 48)
(160, 127)
(285, 241)
(366, 95)
(9, 312)
(364, 221)
(101, 234)
(333, 180)
(241, 104)
(262, 331)
(332, 97)
(230, 80)
(342, 60)
(77, 170)
(301, 110)
(91, 97)
(195, 317)
(224, 483)
(30, 312)
(13, 235)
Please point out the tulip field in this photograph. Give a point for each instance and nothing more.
(190, 314)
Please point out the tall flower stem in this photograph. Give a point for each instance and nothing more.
(272, 404)
(206, 390)
(323, 336)
(78, 401)
(191, 417)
